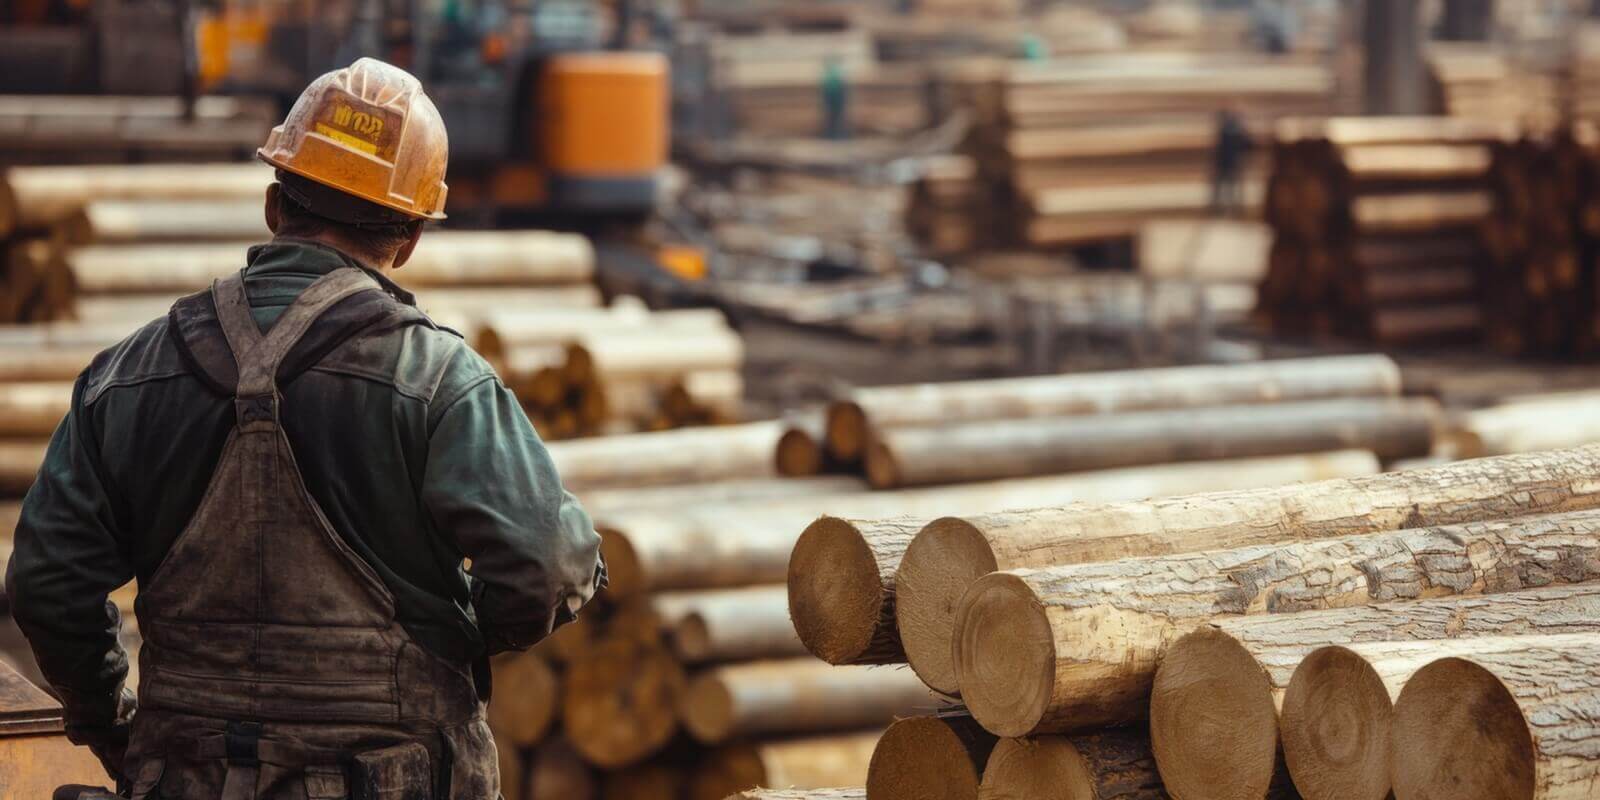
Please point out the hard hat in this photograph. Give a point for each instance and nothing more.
(368, 131)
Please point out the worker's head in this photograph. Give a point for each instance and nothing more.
(361, 161)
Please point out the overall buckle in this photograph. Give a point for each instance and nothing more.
(243, 740)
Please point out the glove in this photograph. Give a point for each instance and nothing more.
(109, 742)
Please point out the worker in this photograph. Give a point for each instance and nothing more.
(835, 97)
(1228, 155)
(294, 464)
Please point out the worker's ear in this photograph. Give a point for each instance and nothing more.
(404, 254)
(272, 208)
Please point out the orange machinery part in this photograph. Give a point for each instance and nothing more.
(604, 114)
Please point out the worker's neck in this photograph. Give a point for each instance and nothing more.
(337, 242)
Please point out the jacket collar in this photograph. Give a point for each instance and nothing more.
(303, 256)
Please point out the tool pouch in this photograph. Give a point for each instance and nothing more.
(401, 772)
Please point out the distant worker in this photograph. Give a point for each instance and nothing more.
(1034, 48)
(835, 101)
(1228, 157)
(294, 465)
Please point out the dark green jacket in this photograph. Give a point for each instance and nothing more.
(416, 451)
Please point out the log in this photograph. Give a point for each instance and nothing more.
(619, 702)
(1214, 704)
(841, 572)
(1112, 765)
(691, 548)
(921, 456)
(1212, 251)
(800, 449)
(798, 696)
(850, 424)
(1529, 424)
(655, 356)
(511, 762)
(47, 193)
(42, 364)
(66, 334)
(19, 465)
(1073, 647)
(805, 767)
(33, 410)
(930, 758)
(728, 624)
(653, 781)
(556, 772)
(666, 498)
(526, 693)
(1515, 724)
(695, 455)
(505, 331)
(948, 555)
(146, 222)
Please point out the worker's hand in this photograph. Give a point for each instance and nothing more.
(109, 742)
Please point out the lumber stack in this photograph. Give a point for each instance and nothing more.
(1427, 633)
(1480, 81)
(949, 208)
(109, 129)
(1376, 223)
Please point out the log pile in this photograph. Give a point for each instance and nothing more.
(1271, 643)
(1376, 228)
(113, 129)
(949, 208)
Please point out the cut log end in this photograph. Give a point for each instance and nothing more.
(847, 432)
(525, 698)
(1335, 727)
(926, 758)
(1036, 769)
(1457, 725)
(620, 703)
(945, 558)
(883, 471)
(1005, 655)
(708, 710)
(726, 772)
(799, 455)
(835, 591)
(624, 575)
(1213, 723)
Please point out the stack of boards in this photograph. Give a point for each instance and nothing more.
(103, 129)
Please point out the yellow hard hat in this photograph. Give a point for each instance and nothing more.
(369, 131)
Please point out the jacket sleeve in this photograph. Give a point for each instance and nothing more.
(66, 561)
(491, 487)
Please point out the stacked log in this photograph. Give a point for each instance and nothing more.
(949, 209)
(108, 128)
(1375, 223)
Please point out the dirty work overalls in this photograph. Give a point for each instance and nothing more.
(273, 666)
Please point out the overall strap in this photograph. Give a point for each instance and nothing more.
(258, 356)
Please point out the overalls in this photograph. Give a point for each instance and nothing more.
(272, 665)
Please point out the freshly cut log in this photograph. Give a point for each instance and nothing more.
(728, 624)
(619, 702)
(526, 695)
(800, 449)
(480, 302)
(920, 456)
(841, 571)
(1511, 724)
(806, 767)
(1111, 765)
(507, 330)
(33, 410)
(692, 549)
(692, 455)
(930, 758)
(850, 424)
(1529, 424)
(47, 193)
(1073, 647)
(648, 355)
(557, 772)
(948, 555)
(798, 696)
(602, 501)
(45, 363)
(144, 222)
(19, 465)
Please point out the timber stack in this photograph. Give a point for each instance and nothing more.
(1376, 226)
(1348, 638)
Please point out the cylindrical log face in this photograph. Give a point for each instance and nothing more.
(798, 696)
(1515, 723)
(930, 758)
(1107, 624)
(951, 553)
(1111, 765)
(619, 702)
(558, 773)
(525, 698)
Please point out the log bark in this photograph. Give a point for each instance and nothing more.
(19, 465)
(949, 554)
(526, 695)
(557, 772)
(1515, 724)
(728, 624)
(804, 767)
(619, 702)
(842, 572)
(850, 424)
(33, 410)
(921, 456)
(798, 696)
(696, 455)
(1112, 765)
(1073, 647)
(930, 758)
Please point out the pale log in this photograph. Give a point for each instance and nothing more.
(144, 222)
(804, 767)
(504, 331)
(1070, 648)
(668, 498)
(659, 356)
(619, 702)
(800, 695)
(68, 334)
(930, 758)
(728, 624)
(936, 454)
(47, 193)
(1532, 423)
(557, 772)
(33, 410)
(850, 424)
(1111, 765)
(1511, 724)
(950, 553)
(526, 694)
(841, 572)
(1416, 163)
(19, 465)
(692, 455)
(45, 363)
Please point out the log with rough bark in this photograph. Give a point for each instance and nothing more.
(526, 694)
(850, 424)
(1073, 647)
(1110, 765)
(728, 624)
(842, 572)
(557, 772)
(798, 696)
(1392, 428)
(805, 767)
(696, 455)
(33, 410)
(949, 554)
(19, 465)
(930, 758)
(1214, 711)
(619, 702)
(1514, 722)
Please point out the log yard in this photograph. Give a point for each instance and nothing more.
(800, 399)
